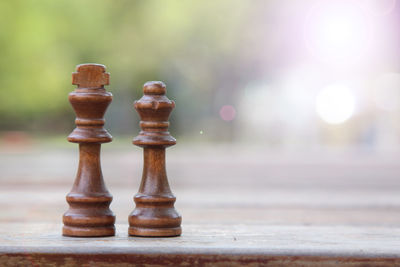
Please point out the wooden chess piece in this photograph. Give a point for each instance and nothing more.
(89, 199)
(154, 214)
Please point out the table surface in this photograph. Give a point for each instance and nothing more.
(240, 206)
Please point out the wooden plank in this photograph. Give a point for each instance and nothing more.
(263, 210)
(235, 245)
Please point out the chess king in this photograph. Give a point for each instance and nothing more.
(89, 214)
(154, 214)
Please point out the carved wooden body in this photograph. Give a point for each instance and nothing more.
(154, 214)
(89, 199)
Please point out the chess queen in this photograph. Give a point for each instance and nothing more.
(154, 214)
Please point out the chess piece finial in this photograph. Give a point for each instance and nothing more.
(154, 214)
(89, 199)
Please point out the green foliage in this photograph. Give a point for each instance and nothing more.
(188, 44)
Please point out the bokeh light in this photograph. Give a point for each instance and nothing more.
(335, 104)
(227, 112)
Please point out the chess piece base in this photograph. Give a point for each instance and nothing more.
(157, 221)
(155, 232)
(88, 231)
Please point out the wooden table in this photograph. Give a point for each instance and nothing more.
(240, 207)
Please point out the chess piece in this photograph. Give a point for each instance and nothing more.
(89, 199)
(154, 214)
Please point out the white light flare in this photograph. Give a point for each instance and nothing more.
(335, 104)
(337, 31)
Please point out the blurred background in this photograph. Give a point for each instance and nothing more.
(294, 104)
(283, 74)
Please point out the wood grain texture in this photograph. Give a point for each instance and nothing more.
(89, 213)
(294, 209)
(206, 245)
(154, 214)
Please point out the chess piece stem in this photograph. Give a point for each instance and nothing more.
(154, 214)
(89, 199)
